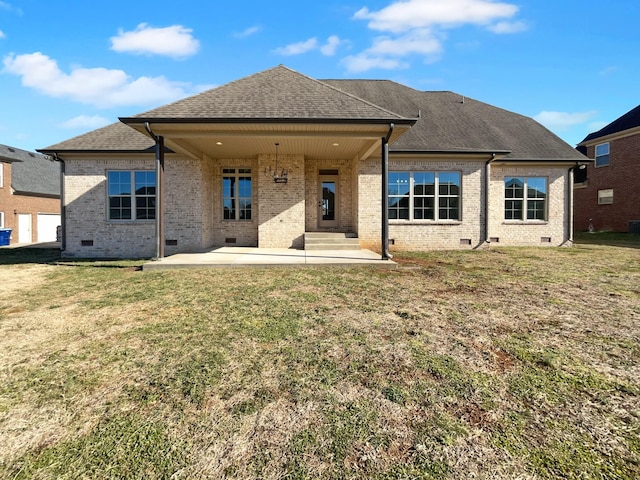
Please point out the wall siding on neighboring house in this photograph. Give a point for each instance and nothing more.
(623, 176)
(13, 204)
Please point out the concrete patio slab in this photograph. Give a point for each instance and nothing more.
(269, 257)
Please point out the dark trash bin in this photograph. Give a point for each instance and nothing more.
(5, 236)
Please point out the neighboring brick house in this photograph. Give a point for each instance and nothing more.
(608, 197)
(29, 195)
(266, 159)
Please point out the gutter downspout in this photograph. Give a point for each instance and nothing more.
(159, 191)
(63, 207)
(487, 185)
(570, 207)
(385, 195)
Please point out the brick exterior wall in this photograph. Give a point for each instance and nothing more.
(281, 206)
(528, 233)
(454, 235)
(421, 235)
(22, 204)
(281, 213)
(622, 175)
(238, 233)
(86, 212)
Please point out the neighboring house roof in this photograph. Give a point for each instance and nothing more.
(451, 122)
(32, 173)
(447, 121)
(629, 120)
(278, 93)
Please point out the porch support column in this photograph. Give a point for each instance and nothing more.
(385, 195)
(160, 197)
(159, 191)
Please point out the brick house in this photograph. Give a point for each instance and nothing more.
(29, 195)
(608, 196)
(265, 160)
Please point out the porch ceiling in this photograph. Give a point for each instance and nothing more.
(246, 140)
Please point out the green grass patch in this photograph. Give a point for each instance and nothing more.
(506, 363)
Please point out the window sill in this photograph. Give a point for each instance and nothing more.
(425, 222)
(131, 222)
(525, 222)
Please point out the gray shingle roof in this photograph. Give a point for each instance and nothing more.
(450, 122)
(114, 137)
(446, 122)
(629, 120)
(32, 173)
(277, 93)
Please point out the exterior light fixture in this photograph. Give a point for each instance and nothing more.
(279, 176)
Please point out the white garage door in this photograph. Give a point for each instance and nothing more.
(47, 224)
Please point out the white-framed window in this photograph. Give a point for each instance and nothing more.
(602, 155)
(132, 194)
(1, 174)
(525, 198)
(432, 196)
(605, 197)
(1, 219)
(236, 193)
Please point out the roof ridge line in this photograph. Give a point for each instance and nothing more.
(371, 104)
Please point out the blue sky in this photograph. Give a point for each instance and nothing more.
(68, 67)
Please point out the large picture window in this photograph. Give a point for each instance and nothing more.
(424, 196)
(525, 198)
(132, 195)
(236, 193)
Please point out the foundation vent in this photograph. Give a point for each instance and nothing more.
(465, 241)
(230, 240)
(545, 239)
(86, 243)
(494, 240)
(171, 243)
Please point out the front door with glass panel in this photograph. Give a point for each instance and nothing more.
(328, 202)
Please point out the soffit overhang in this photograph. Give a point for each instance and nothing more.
(315, 139)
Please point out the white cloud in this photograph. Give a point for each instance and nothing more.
(298, 48)
(385, 52)
(85, 121)
(596, 126)
(415, 27)
(329, 48)
(608, 71)
(562, 121)
(247, 32)
(502, 28)
(2, 35)
(100, 87)
(10, 8)
(364, 61)
(175, 41)
(404, 15)
(421, 41)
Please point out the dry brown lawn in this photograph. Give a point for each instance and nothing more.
(509, 363)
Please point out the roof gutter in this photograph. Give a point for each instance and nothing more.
(248, 120)
(159, 191)
(385, 194)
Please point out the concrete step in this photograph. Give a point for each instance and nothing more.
(331, 241)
